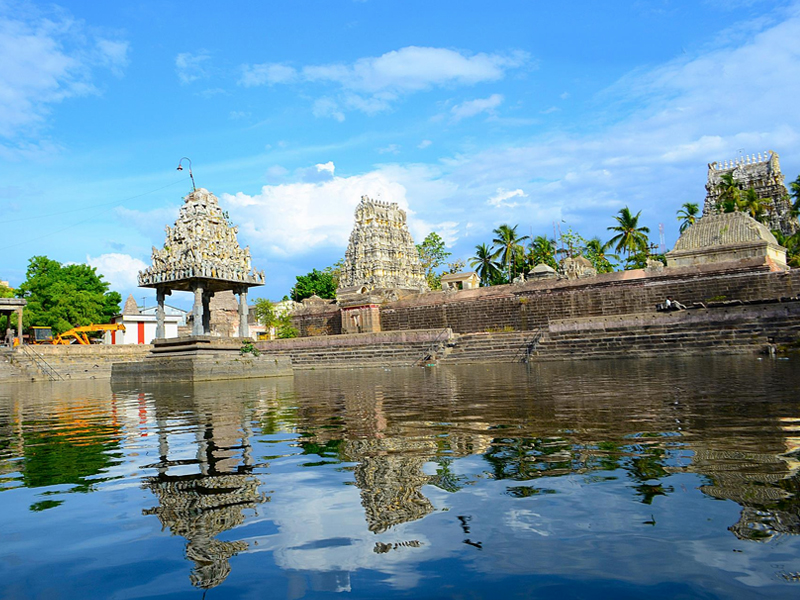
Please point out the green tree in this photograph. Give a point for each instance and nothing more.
(729, 193)
(794, 190)
(62, 297)
(485, 264)
(543, 251)
(285, 327)
(688, 215)
(509, 245)
(630, 238)
(752, 204)
(432, 255)
(321, 283)
(792, 245)
(595, 252)
(265, 313)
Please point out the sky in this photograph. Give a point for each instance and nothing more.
(468, 114)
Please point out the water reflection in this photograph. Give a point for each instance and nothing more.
(592, 472)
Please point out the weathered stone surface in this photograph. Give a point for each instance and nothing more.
(763, 174)
(725, 237)
(381, 253)
(201, 244)
(130, 308)
(577, 267)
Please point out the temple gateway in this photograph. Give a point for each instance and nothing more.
(201, 255)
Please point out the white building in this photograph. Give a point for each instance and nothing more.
(141, 328)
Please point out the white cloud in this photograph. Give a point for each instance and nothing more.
(266, 73)
(237, 115)
(477, 106)
(191, 67)
(424, 144)
(119, 270)
(371, 84)
(327, 107)
(502, 196)
(47, 58)
(390, 149)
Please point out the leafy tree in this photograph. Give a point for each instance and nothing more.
(285, 327)
(688, 215)
(509, 245)
(62, 297)
(543, 251)
(630, 237)
(573, 243)
(595, 252)
(321, 283)
(792, 245)
(5, 292)
(485, 264)
(265, 313)
(753, 205)
(432, 255)
(730, 192)
(794, 190)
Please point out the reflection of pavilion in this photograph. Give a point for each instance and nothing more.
(200, 506)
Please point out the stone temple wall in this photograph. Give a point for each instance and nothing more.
(534, 305)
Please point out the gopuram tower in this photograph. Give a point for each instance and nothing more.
(381, 253)
(381, 263)
(201, 255)
(763, 174)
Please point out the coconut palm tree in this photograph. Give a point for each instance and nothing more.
(630, 237)
(543, 251)
(688, 215)
(729, 193)
(595, 251)
(508, 245)
(485, 264)
(794, 188)
(792, 245)
(752, 204)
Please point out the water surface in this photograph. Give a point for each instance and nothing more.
(627, 479)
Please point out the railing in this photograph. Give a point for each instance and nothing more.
(430, 350)
(523, 355)
(41, 363)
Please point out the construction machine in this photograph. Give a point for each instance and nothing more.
(79, 333)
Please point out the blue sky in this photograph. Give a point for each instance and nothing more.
(468, 114)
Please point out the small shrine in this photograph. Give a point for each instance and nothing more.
(201, 255)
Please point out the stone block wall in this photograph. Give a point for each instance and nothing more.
(533, 305)
(75, 362)
(318, 320)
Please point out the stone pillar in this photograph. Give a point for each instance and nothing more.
(198, 317)
(161, 330)
(19, 325)
(244, 330)
(207, 312)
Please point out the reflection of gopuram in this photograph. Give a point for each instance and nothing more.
(200, 506)
(390, 478)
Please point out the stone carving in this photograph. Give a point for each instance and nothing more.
(577, 267)
(130, 307)
(381, 253)
(201, 244)
(763, 174)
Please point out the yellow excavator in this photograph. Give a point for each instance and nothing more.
(79, 333)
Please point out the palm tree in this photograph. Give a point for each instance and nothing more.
(543, 251)
(630, 237)
(729, 193)
(751, 203)
(485, 263)
(688, 215)
(792, 245)
(509, 245)
(595, 251)
(795, 193)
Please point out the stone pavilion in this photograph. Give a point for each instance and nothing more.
(201, 255)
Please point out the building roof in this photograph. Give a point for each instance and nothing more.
(459, 276)
(724, 229)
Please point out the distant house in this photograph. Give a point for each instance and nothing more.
(140, 325)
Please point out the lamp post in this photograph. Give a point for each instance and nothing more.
(180, 168)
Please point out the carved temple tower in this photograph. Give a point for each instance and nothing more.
(202, 255)
(381, 253)
(381, 263)
(763, 174)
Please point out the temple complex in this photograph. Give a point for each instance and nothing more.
(763, 174)
(381, 253)
(202, 255)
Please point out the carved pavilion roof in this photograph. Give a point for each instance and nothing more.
(201, 245)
